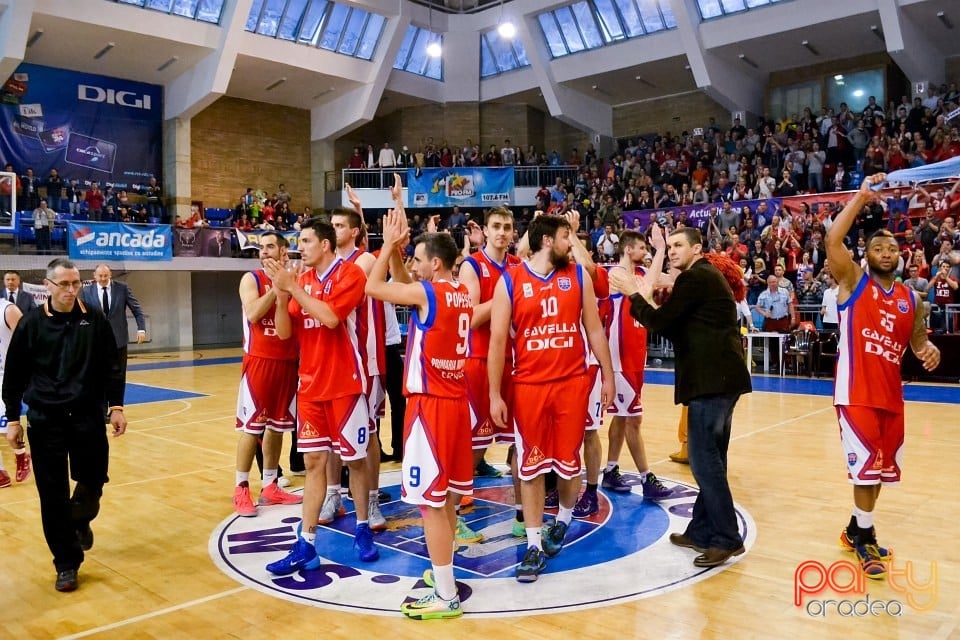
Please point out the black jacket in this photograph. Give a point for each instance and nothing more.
(62, 361)
(700, 319)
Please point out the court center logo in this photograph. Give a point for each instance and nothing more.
(619, 554)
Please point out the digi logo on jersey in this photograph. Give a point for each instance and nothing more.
(620, 554)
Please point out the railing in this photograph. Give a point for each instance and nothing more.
(523, 176)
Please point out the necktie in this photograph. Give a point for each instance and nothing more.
(13, 298)
(105, 302)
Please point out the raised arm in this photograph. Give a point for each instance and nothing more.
(413, 294)
(496, 355)
(844, 269)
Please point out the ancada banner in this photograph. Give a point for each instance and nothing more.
(462, 186)
(119, 241)
(89, 127)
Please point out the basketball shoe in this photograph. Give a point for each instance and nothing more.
(375, 517)
(242, 502)
(272, 494)
(614, 481)
(553, 538)
(552, 499)
(871, 562)
(4, 479)
(466, 535)
(587, 505)
(653, 489)
(519, 529)
(302, 555)
(849, 543)
(533, 564)
(23, 466)
(363, 543)
(487, 470)
(331, 509)
(432, 607)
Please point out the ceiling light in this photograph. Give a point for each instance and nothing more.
(646, 82)
(507, 30)
(169, 62)
(744, 59)
(103, 52)
(944, 19)
(839, 76)
(36, 36)
(326, 91)
(276, 83)
(858, 93)
(809, 47)
(434, 50)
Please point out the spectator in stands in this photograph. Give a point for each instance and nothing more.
(94, 200)
(941, 291)
(405, 158)
(816, 158)
(54, 184)
(830, 316)
(508, 155)
(387, 157)
(785, 187)
(841, 180)
(43, 217)
(154, 199)
(356, 161)
(774, 305)
(30, 190)
(898, 224)
(811, 292)
(608, 244)
(456, 221)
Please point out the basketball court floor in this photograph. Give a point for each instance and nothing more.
(170, 560)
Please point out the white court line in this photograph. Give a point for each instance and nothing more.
(154, 614)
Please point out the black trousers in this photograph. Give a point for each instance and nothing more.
(68, 444)
(398, 402)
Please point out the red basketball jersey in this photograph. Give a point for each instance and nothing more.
(373, 331)
(628, 338)
(875, 330)
(488, 273)
(330, 362)
(260, 338)
(549, 342)
(437, 343)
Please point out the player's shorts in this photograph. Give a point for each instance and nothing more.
(376, 400)
(484, 431)
(595, 408)
(436, 450)
(873, 443)
(268, 395)
(340, 425)
(548, 420)
(627, 402)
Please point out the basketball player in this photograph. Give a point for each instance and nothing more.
(351, 233)
(480, 273)
(437, 457)
(11, 316)
(268, 384)
(320, 311)
(548, 306)
(878, 318)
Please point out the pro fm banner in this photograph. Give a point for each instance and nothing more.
(462, 186)
(119, 241)
(89, 127)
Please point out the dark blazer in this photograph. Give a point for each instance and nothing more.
(23, 300)
(700, 319)
(121, 298)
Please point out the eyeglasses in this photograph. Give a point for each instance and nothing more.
(75, 285)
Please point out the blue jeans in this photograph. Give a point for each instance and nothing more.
(714, 521)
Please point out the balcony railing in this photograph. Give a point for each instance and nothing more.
(524, 176)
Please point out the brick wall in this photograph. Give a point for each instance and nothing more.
(235, 144)
(674, 114)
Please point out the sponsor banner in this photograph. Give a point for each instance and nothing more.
(119, 241)
(698, 215)
(203, 242)
(88, 127)
(251, 239)
(462, 186)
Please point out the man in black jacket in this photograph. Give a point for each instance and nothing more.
(700, 319)
(62, 362)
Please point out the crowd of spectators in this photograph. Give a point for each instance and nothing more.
(258, 210)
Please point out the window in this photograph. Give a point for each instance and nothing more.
(590, 24)
(203, 10)
(499, 54)
(321, 23)
(718, 8)
(413, 57)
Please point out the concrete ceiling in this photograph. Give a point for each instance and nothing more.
(302, 89)
(924, 15)
(639, 82)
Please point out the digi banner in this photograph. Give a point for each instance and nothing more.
(88, 127)
(462, 186)
(119, 241)
(699, 215)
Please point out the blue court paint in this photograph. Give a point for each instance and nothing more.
(179, 364)
(141, 394)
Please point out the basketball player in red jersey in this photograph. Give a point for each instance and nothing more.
(548, 306)
(268, 384)
(878, 317)
(351, 234)
(480, 273)
(437, 457)
(319, 310)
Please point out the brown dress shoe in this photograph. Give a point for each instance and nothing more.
(683, 541)
(681, 456)
(714, 556)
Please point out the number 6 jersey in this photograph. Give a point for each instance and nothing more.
(437, 343)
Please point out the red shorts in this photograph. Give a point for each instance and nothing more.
(549, 426)
(340, 425)
(267, 397)
(436, 450)
(484, 431)
(873, 443)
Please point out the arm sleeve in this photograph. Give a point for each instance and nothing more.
(134, 305)
(17, 370)
(348, 294)
(661, 320)
(105, 340)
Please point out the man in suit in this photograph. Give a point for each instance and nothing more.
(114, 298)
(13, 292)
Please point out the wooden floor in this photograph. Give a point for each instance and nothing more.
(150, 575)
